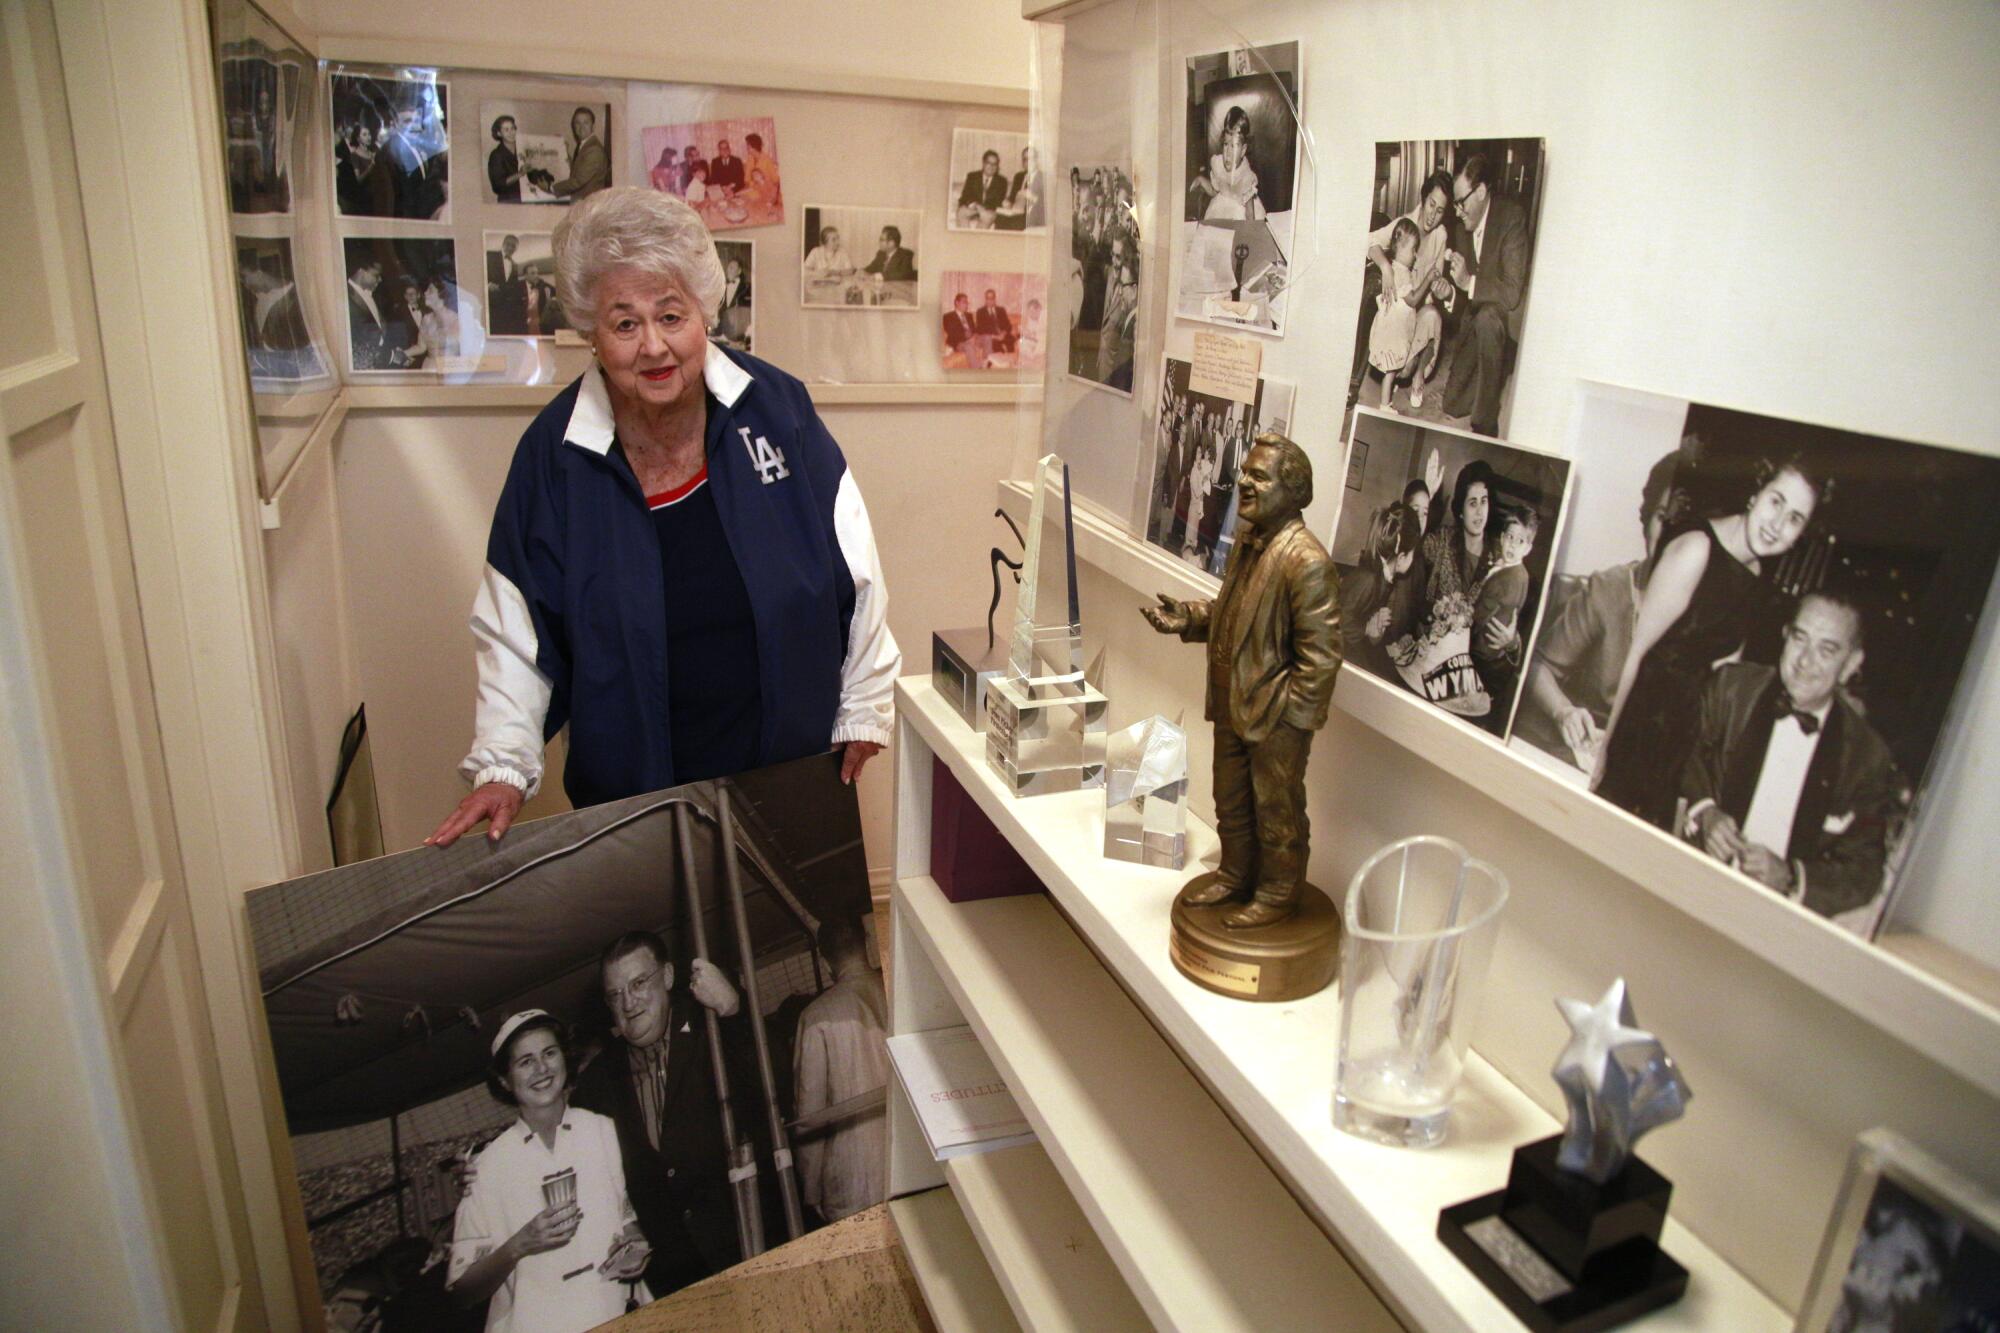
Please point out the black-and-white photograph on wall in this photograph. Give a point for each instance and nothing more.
(471, 1038)
(391, 146)
(405, 309)
(1445, 274)
(1198, 445)
(542, 152)
(521, 300)
(276, 332)
(1757, 629)
(1443, 545)
(734, 326)
(996, 183)
(260, 118)
(857, 258)
(1102, 284)
(1241, 186)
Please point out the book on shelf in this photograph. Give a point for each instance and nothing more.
(962, 1103)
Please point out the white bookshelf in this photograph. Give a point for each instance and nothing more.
(1192, 1131)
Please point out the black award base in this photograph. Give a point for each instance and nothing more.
(1567, 1255)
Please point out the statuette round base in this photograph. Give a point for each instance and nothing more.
(1287, 960)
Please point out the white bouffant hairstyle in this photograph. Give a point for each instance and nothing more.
(626, 227)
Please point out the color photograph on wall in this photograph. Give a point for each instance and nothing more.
(996, 183)
(276, 332)
(1758, 627)
(470, 1038)
(1444, 544)
(1198, 446)
(545, 152)
(726, 169)
(405, 310)
(859, 258)
(1102, 285)
(1445, 275)
(994, 321)
(734, 326)
(521, 300)
(391, 147)
(1241, 186)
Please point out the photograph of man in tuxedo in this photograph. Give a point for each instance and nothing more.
(1788, 782)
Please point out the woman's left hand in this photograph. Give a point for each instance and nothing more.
(853, 755)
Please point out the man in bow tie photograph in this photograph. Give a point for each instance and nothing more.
(1788, 782)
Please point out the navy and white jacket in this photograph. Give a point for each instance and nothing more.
(570, 619)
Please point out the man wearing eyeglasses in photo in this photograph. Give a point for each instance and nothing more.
(655, 1082)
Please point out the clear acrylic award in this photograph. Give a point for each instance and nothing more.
(1145, 794)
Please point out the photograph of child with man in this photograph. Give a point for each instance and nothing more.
(530, 1084)
(1757, 630)
(1240, 186)
(1444, 279)
(1443, 545)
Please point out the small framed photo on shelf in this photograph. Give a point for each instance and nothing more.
(1913, 1247)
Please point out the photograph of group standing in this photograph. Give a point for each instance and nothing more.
(996, 183)
(405, 310)
(537, 1083)
(521, 300)
(391, 147)
(727, 170)
(1444, 283)
(545, 152)
(1443, 545)
(993, 321)
(1756, 631)
(260, 116)
(1199, 442)
(1240, 186)
(1103, 278)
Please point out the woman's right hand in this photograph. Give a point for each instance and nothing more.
(549, 1229)
(496, 803)
(1579, 729)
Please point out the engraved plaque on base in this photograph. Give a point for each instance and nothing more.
(963, 663)
(1286, 960)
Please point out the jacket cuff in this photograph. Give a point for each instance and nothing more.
(502, 773)
(861, 731)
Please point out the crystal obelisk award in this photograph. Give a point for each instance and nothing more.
(1044, 718)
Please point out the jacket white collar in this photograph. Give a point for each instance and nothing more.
(590, 422)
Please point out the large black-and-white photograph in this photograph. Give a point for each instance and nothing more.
(642, 1041)
(1198, 445)
(391, 147)
(1103, 279)
(734, 326)
(996, 183)
(1757, 630)
(277, 335)
(1444, 284)
(1241, 186)
(260, 118)
(545, 152)
(1443, 545)
(860, 258)
(521, 300)
(405, 310)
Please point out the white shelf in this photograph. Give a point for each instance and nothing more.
(1270, 1065)
(1056, 1273)
(944, 1257)
(1957, 1028)
(1206, 1238)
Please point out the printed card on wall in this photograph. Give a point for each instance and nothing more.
(1199, 445)
(994, 321)
(1825, 587)
(1102, 285)
(726, 169)
(1444, 290)
(1443, 545)
(391, 147)
(1242, 178)
(464, 1037)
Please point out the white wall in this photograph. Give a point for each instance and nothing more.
(1735, 209)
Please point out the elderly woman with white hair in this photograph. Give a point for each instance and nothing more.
(680, 567)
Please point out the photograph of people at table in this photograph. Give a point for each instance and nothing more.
(860, 257)
(1443, 544)
(1444, 279)
(1756, 630)
(727, 170)
(993, 321)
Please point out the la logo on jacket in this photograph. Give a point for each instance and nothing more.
(768, 461)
